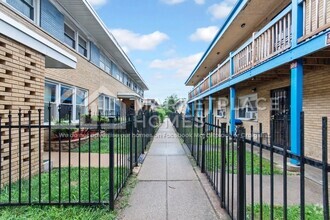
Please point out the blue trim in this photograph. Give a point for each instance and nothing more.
(232, 67)
(297, 21)
(310, 46)
(234, 12)
(297, 88)
(193, 109)
(210, 109)
(200, 108)
(232, 109)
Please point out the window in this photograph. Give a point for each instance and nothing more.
(26, 7)
(222, 104)
(71, 100)
(50, 99)
(66, 103)
(247, 107)
(82, 46)
(69, 36)
(81, 96)
(106, 105)
(105, 64)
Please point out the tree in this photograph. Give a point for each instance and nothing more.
(170, 101)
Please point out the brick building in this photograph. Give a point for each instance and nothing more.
(269, 67)
(58, 52)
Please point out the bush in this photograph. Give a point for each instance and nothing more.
(161, 113)
(64, 131)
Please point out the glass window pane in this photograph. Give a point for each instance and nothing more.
(53, 112)
(80, 109)
(81, 96)
(50, 93)
(100, 102)
(69, 32)
(26, 7)
(66, 95)
(82, 43)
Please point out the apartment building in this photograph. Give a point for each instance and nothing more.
(266, 68)
(58, 52)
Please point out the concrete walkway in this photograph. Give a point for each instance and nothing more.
(168, 186)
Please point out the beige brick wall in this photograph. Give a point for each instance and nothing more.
(86, 75)
(22, 75)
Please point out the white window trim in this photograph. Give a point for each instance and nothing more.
(36, 16)
(74, 103)
(87, 45)
(103, 107)
(251, 97)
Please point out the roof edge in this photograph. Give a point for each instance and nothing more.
(234, 12)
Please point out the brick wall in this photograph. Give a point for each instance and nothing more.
(22, 78)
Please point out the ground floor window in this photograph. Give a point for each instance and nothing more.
(71, 100)
(247, 107)
(106, 105)
(221, 108)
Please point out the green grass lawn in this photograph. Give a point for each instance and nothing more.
(58, 213)
(121, 145)
(213, 157)
(94, 187)
(312, 212)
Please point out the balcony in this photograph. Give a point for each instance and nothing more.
(272, 40)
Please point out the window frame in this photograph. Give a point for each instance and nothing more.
(103, 109)
(251, 97)
(79, 45)
(36, 10)
(74, 104)
(74, 39)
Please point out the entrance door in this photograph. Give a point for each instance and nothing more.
(280, 117)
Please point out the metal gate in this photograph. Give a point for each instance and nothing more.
(280, 117)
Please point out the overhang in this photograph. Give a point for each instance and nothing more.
(247, 16)
(55, 57)
(86, 16)
(130, 96)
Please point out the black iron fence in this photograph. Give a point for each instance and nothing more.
(254, 179)
(65, 162)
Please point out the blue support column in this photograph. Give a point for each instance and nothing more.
(232, 109)
(200, 108)
(193, 108)
(210, 109)
(297, 87)
(297, 21)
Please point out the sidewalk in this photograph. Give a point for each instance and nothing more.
(168, 186)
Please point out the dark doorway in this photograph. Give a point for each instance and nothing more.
(280, 117)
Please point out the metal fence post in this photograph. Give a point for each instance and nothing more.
(131, 144)
(193, 136)
(111, 165)
(325, 167)
(241, 174)
(223, 164)
(203, 145)
(136, 142)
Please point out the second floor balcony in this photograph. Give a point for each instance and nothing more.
(271, 41)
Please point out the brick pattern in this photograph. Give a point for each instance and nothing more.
(22, 78)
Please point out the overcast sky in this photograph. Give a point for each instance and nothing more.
(165, 39)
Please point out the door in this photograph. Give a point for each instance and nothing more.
(280, 117)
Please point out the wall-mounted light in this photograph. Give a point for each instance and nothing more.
(243, 25)
(218, 53)
(254, 90)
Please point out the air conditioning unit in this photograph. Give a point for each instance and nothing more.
(251, 115)
(221, 114)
